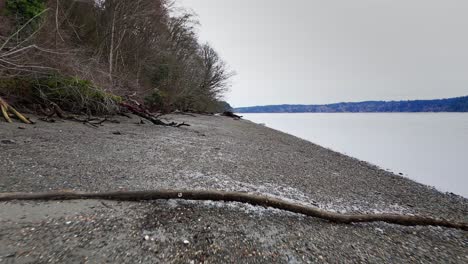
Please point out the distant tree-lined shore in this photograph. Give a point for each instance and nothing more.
(458, 104)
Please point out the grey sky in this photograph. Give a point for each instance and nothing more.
(316, 51)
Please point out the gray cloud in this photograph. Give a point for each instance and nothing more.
(314, 51)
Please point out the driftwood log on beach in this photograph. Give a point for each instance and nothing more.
(141, 112)
(6, 108)
(253, 199)
(231, 114)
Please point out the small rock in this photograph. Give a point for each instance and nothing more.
(68, 222)
(8, 141)
(379, 230)
(186, 242)
(20, 127)
(147, 237)
(117, 133)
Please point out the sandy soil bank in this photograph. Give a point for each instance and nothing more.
(214, 153)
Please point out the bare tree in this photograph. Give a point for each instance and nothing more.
(215, 73)
(129, 47)
(14, 53)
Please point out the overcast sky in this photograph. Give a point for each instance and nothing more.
(324, 51)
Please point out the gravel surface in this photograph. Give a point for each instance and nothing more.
(214, 153)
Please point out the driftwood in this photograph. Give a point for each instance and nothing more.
(6, 108)
(143, 113)
(231, 114)
(260, 200)
(183, 113)
(91, 121)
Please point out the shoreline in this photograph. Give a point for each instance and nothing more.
(419, 166)
(223, 154)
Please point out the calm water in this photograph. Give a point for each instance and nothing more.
(431, 148)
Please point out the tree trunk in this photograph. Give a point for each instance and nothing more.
(111, 49)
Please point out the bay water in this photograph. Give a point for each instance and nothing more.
(430, 148)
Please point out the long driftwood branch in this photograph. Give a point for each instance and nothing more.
(141, 112)
(253, 199)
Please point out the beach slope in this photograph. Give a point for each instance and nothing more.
(218, 153)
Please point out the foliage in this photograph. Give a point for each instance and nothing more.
(156, 99)
(71, 93)
(76, 95)
(25, 10)
(224, 106)
(174, 70)
(142, 48)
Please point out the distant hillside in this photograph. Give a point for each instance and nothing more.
(458, 104)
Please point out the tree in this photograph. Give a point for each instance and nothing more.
(137, 48)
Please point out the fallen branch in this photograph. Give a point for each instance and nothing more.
(86, 121)
(260, 200)
(183, 113)
(231, 114)
(141, 112)
(91, 121)
(5, 108)
(182, 124)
